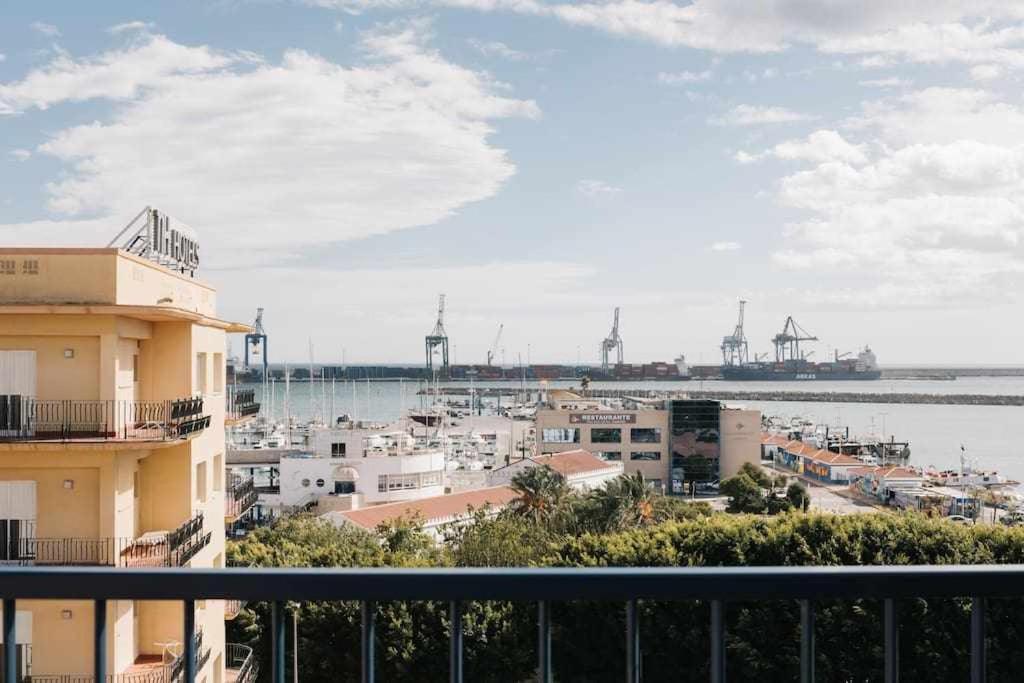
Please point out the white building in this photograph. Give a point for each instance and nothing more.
(582, 470)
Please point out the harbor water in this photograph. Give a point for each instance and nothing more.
(935, 432)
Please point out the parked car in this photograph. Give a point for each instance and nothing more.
(960, 519)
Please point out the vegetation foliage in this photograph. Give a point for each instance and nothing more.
(627, 524)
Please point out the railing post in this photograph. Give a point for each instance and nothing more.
(717, 641)
(892, 642)
(455, 645)
(10, 641)
(544, 641)
(190, 642)
(277, 646)
(806, 642)
(633, 658)
(99, 643)
(369, 629)
(978, 654)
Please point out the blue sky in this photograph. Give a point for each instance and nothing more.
(854, 164)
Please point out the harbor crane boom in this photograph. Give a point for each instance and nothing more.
(787, 342)
(438, 338)
(734, 346)
(493, 351)
(256, 343)
(613, 342)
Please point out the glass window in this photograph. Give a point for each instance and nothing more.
(344, 487)
(645, 455)
(645, 435)
(320, 483)
(338, 450)
(382, 483)
(610, 456)
(600, 435)
(305, 483)
(560, 435)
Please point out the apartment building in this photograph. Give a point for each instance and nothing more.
(671, 442)
(112, 408)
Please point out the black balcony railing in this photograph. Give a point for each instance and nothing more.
(242, 403)
(29, 419)
(20, 545)
(715, 585)
(240, 659)
(239, 497)
(200, 655)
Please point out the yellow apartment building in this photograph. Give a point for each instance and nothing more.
(112, 382)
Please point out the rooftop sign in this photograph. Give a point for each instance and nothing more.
(602, 418)
(154, 235)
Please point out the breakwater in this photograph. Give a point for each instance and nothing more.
(771, 396)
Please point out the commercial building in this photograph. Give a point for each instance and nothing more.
(112, 412)
(672, 443)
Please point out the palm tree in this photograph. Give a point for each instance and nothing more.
(624, 502)
(543, 493)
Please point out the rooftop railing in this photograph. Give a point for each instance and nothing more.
(29, 419)
(718, 586)
(19, 545)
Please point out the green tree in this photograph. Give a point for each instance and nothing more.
(622, 503)
(798, 496)
(543, 494)
(745, 494)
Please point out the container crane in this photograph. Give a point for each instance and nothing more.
(256, 343)
(493, 351)
(787, 342)
(734, 346)
(438, 338)
(613, 342)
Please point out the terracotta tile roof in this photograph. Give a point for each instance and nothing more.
(887, 471)
(773, 439)
(435, 509)
(799, 448)
(574, 462)
(831, 458)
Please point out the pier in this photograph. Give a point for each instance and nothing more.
(769, 396)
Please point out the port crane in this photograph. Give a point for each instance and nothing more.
(438, 338)
(493, 351)
(613, 342)
(787, 342)
(734, 346)
(256, 343)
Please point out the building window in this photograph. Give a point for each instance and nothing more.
(645, 455)
(218, 472)
(201, 373)
(338, 450)
(408, 482)
(560, 435)
(218, 373)
(320, 483)
(305, 483)
(645, 435)
(201, 490)
(599, 435)
(344, 487)
(610, 456)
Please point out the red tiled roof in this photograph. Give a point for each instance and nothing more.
(887, 471)
(432, 509)
(834, 458)
(574, 462)
(773, 439)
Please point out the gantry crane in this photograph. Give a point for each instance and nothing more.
(256, 343)
(613, 342)
(438, 338)
(493, 351)
(787, 342)
(734, 346)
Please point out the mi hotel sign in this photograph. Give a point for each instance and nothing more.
(602, 418)
(154, 235)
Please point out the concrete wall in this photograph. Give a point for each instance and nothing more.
(740, 440)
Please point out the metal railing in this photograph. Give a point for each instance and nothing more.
(19, 545)
(28, 419)
(242, 403)
(241, 660)
(239, 497)
(716, 585)
(200, 656)
(157, 676)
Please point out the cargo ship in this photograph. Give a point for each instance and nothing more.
(791, 364)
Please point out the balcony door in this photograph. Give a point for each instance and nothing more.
(18, 373)
(17, 521)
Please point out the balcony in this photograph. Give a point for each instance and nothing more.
(241, 664)
(720, 588)
(239, 498)
(241, 404)
(63, 421)
(143, 671)
(21, 546)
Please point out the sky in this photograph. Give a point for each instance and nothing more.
(857, 164)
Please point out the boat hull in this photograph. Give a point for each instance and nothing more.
(737, 374)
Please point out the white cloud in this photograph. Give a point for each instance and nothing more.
(819, 147)
(891, 82)
(684, 77)
(752, 115)
(131, 26)
(986, 72)
(597, 188)
(48, 30)
(20, 154)
(497, 49)
(726, 246)
(261, 155)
